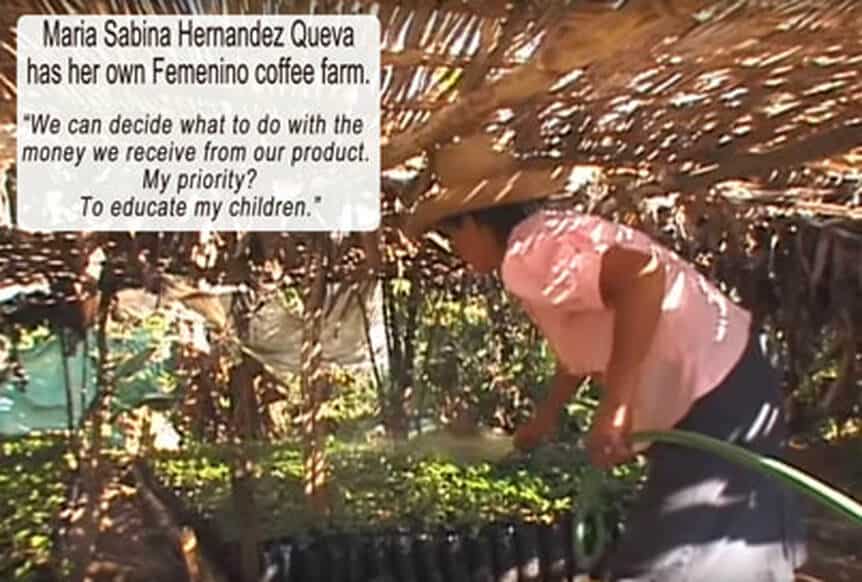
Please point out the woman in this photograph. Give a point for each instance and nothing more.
(669, 350)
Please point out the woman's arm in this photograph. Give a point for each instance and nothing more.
(632, 284)
(563, 386)
(544, 422)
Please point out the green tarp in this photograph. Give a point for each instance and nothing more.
(42, 404)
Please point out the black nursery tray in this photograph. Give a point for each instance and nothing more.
(499, 552)
(399, 517)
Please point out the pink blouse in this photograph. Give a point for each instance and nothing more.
(552, 266)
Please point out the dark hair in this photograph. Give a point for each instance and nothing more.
(501, 219)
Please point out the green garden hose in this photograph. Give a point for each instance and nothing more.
(589, 505)
(587, 520)
(819, 491)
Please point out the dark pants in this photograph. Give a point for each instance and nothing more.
(700, 518)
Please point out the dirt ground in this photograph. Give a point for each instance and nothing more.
(835, 545)
(129, 543)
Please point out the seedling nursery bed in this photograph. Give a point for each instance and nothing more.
(398, 517)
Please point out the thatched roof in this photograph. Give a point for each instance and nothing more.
(733, 130)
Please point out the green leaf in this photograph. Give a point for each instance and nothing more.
(133, 364)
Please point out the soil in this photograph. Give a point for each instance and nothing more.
(129, 544)
(835, 545)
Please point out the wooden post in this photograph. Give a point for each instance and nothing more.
(90, 458)
(243, 401)
(313, 380)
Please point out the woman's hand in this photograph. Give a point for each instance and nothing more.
(546, 420)
(607, 441)
(542, 426)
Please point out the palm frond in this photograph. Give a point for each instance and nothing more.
(724, 126)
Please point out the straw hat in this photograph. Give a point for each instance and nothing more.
(474, 176)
